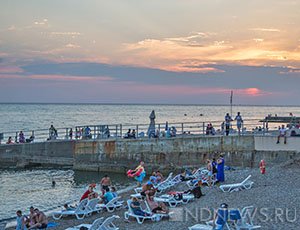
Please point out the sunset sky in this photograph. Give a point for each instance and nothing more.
(155, 51)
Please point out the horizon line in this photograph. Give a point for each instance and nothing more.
(136, 103)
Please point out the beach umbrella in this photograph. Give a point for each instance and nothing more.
(151, 129)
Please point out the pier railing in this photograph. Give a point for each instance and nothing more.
(162, 130)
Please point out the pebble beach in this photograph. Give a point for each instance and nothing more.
(275, 196)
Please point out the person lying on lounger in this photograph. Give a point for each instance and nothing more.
(136, 208)
(156, 207)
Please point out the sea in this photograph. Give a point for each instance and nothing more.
(20, 189)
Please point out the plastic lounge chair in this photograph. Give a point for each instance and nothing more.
(139, 219)
(112, 205)
(99, 224)
(94, 226)
(210, 223)
(138, 189)
(172, 201)
(246, 220)
(92, 206)
(201, 227)
(79, 211)
(161, 215)
(164, 185)
(245, 184)
(176, 180)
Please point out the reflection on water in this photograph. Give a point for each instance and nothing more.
(20, 189)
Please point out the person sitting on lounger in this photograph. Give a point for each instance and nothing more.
(155, 206)
(183, 176)
(41, 220)
(159, 176)
(21, 221)
(108, 196)
(114, 191)
(221, 217)
(31, 220)
(136, 208)
(147, 188)
(90, 194)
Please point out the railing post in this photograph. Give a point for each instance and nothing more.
(67, 136)
(137, 131)
(181, 128)
(116, 131)
(203, 128)
(120, 130)
(16, 137)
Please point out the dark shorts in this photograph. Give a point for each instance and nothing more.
(104, 187)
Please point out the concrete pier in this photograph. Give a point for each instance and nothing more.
(118, 155)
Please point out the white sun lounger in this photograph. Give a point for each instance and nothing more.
(161, 215)
(164, 185)
(246, 221)
(172, 202)
(99, 224)
(139, 219)
(245, 184)
(112, 205)
(79, 211)
(201, 227)
(92, 206)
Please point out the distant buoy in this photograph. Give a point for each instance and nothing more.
(201, 114)
(185, 114)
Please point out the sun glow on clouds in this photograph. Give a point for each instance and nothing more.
(170, 53)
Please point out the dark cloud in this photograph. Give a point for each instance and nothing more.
(269, 78)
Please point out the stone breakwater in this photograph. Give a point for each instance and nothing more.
(166, 154)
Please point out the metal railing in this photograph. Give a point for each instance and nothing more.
(250, 127)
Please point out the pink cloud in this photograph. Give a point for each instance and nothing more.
(58, 77)
(10, 69)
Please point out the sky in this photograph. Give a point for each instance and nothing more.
(155, 51)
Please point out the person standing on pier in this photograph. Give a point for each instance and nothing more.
(21, 137)
(71, 134)
(239, 122)
(228, 119)
(52, 133)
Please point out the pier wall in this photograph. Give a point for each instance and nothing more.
(118, 155)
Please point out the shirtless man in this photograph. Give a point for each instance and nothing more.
(41, 220)
(31, 220)
(105, 183)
